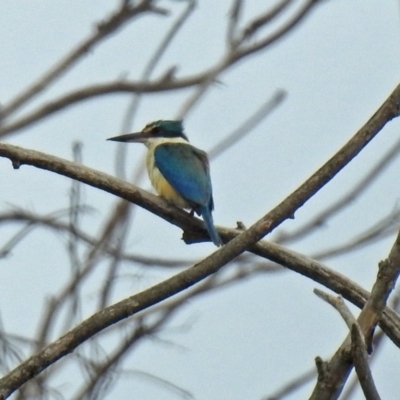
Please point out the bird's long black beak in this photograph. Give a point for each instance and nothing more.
(138, 137)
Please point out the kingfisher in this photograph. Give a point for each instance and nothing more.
(179, 172)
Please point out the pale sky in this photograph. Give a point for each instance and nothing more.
(337, 67)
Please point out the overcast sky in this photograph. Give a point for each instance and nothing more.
(337, 67)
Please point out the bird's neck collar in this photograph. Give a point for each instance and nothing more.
(154, 142)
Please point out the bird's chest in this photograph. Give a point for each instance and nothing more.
(161, 185)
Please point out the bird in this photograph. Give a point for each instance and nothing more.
(179, 172)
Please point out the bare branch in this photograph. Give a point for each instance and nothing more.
(378, 340)
(140, 332)
(96, 90)
(319, 219)
(155, 58)
(51, 221)
(278, 34)
(358, 346)
(338, 304)
(264, 19)
(387, 226)
(104, 29)
(114, 313)
(15, 240)
(292, 386)
(203, 80)
(331, 384)
(320, 273)
(360, 359)
(233, 22)
(250, 123)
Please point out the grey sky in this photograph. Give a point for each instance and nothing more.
(337, 67)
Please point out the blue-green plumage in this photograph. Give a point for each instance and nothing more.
(178, 171)
(185, 168)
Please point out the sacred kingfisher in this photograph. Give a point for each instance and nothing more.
(179, 172)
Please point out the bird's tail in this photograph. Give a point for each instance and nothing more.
(208, 220)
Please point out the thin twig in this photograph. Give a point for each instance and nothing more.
(233, 22)
(387, 226)
(292, 386)
(51, 221)
(264, 19)
(304, 11)
(338, 303)
(250, 123)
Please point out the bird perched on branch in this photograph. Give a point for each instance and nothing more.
(179, 172)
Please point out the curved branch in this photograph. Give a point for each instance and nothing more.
(277, 35)
(96, 90)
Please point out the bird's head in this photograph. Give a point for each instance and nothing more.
(155, 132)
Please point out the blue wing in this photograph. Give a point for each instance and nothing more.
(187, 170)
